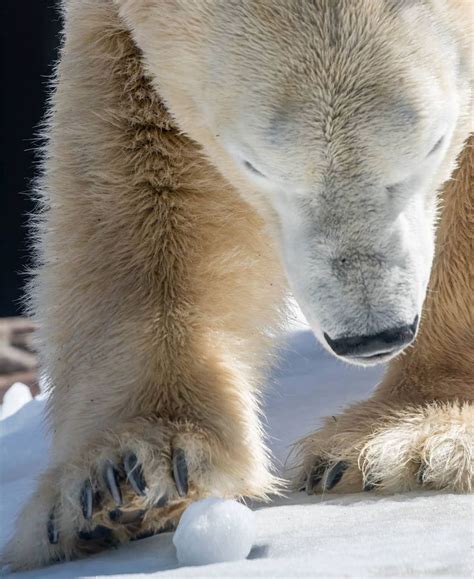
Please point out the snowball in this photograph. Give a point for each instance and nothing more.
(15, 398)
(214, 530)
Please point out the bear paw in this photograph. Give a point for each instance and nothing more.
(134, 483)
(373, 446)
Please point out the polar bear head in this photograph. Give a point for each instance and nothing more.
(338, 120)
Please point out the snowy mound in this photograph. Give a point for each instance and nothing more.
(414, 535)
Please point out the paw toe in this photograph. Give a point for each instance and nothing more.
(127, 517)
(101, 536)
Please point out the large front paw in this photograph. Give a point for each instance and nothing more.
(134, 482)
(375, 446)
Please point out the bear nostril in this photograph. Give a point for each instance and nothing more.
(386, 342)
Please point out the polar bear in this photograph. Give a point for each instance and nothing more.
(202, 158)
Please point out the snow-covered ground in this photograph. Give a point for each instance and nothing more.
(412, 535)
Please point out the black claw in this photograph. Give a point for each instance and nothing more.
(335, 474)
(115, 515)
(100, 534)
(111, 476)
(161, 502)
(180, 472)
(314, 477)
(420, 477)
(126, 517)
(134, 473)
(87, 500)
(368, 486)
(53, 533)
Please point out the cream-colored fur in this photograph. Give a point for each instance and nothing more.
(339, 107)
(160, 287)
(418, 428)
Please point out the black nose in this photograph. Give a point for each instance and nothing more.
(386, 342)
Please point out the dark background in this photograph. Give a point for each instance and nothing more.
(29, 38)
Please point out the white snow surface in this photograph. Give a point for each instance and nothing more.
(214, 530)
(15, 397)
(361, 535)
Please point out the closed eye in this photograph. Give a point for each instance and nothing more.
(252, 169)
(400, 186)
(397, 186)
(392, 189)
(436, 146)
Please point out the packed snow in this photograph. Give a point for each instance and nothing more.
(361, 535)
(214, 530)
(15, 397)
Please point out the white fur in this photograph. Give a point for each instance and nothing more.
(340, 136)
(440, 437)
